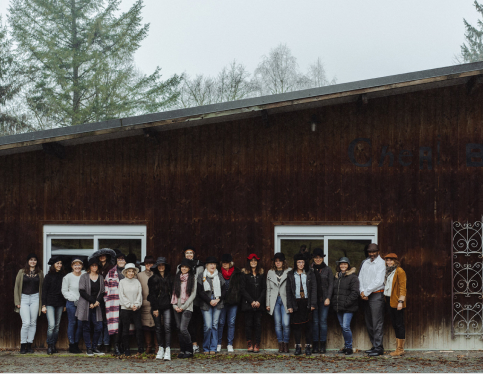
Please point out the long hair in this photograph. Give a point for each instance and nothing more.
(88, 270)
(284, 265)
(53, 271)
(26, 269)
(177, 284)
(248, 268)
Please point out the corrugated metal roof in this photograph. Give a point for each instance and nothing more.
(225, 111)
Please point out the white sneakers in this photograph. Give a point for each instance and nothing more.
(196, 349)
(160, 354)
(230, 349)
(218, 348)
(167, 354)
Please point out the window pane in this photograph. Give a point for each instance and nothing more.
(126, 246)
(290, 247)
(70, 248)
(354, 249)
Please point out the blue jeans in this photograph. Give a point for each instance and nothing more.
(29, 311)
(227, 313)
(320, 322)
(54, 313)
(211, 318)
(345, 323)
(282, 321)
(104, 338)
(74, 332)
(86, 329)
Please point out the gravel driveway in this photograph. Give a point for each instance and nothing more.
(265, 362)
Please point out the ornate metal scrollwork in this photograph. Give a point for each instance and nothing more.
(467, 279)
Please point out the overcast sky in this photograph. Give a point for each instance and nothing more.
(355, 39)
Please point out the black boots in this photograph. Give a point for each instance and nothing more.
(54, 350)
(50, 349)
(29, 348)
(308, 351)
(76, 348)
(23, 348)
(315, 347)
(349, 351)
(323, 347)
(71, 348)
(298, 350)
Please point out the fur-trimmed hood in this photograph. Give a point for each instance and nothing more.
(348, 272)
(104, 251)
(247, 271)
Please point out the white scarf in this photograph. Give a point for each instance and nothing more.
(216, 282)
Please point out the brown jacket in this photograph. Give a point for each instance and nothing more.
(398, 291)
(146, 317)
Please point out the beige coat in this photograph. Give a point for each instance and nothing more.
(146, 317)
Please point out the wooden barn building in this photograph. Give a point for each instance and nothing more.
(396, 160)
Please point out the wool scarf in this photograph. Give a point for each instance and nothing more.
(184, 295)
(389, 270)
(216, 283)
(227, 273)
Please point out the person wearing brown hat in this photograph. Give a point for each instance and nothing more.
(146, 317)
(395, 294)
(254, 293)
(27, 296)
(371, 288)
(233, 279)
(277, 300)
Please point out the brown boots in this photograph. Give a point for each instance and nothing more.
(249, 346)
(399, 348)
(148, 337)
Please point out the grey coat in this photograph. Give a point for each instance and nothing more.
(82, 312)
(274, 289)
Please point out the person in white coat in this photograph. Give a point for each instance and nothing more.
(131, 300)
(371, 287)
(277, 300)
(70, 291)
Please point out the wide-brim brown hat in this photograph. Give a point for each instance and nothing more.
(391, 255)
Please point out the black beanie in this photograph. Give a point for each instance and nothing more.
(226, 258)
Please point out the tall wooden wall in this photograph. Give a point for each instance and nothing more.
(221, 187)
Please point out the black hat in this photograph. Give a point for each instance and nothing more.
(54, 259)
(279, 256)
(318, 252)
(298, 257)
(373, 247)
(211, 260)
(226, 258)
(189, 247)
(188, 263)
(32, 255)
(92, 261)
(131, 258)
(119, 254)
(159, 261)
(149, 259)
(104, 252)
(343, 259)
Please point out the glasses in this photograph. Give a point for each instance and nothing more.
(121, 259)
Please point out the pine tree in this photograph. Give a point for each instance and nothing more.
(472, 49)
(79, 55)
(10, 86)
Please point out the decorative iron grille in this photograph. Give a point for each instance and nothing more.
(467, 281)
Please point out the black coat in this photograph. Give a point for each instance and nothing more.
(346, 292)
(325, 282)
(160, 290)
(52, 290)
(311, 290)
(234, 290)
(254, 288)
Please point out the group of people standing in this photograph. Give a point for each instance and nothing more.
(113, 299)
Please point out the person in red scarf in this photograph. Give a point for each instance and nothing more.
(233, 279)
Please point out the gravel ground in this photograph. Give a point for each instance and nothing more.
(264, 362)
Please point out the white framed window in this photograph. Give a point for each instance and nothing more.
(336, 241)
(83, 240)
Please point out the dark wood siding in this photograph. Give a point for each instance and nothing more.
(221, 187)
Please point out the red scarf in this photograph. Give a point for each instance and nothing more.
(227, 273)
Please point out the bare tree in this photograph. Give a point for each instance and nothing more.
(316, 76)
(278, 72)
